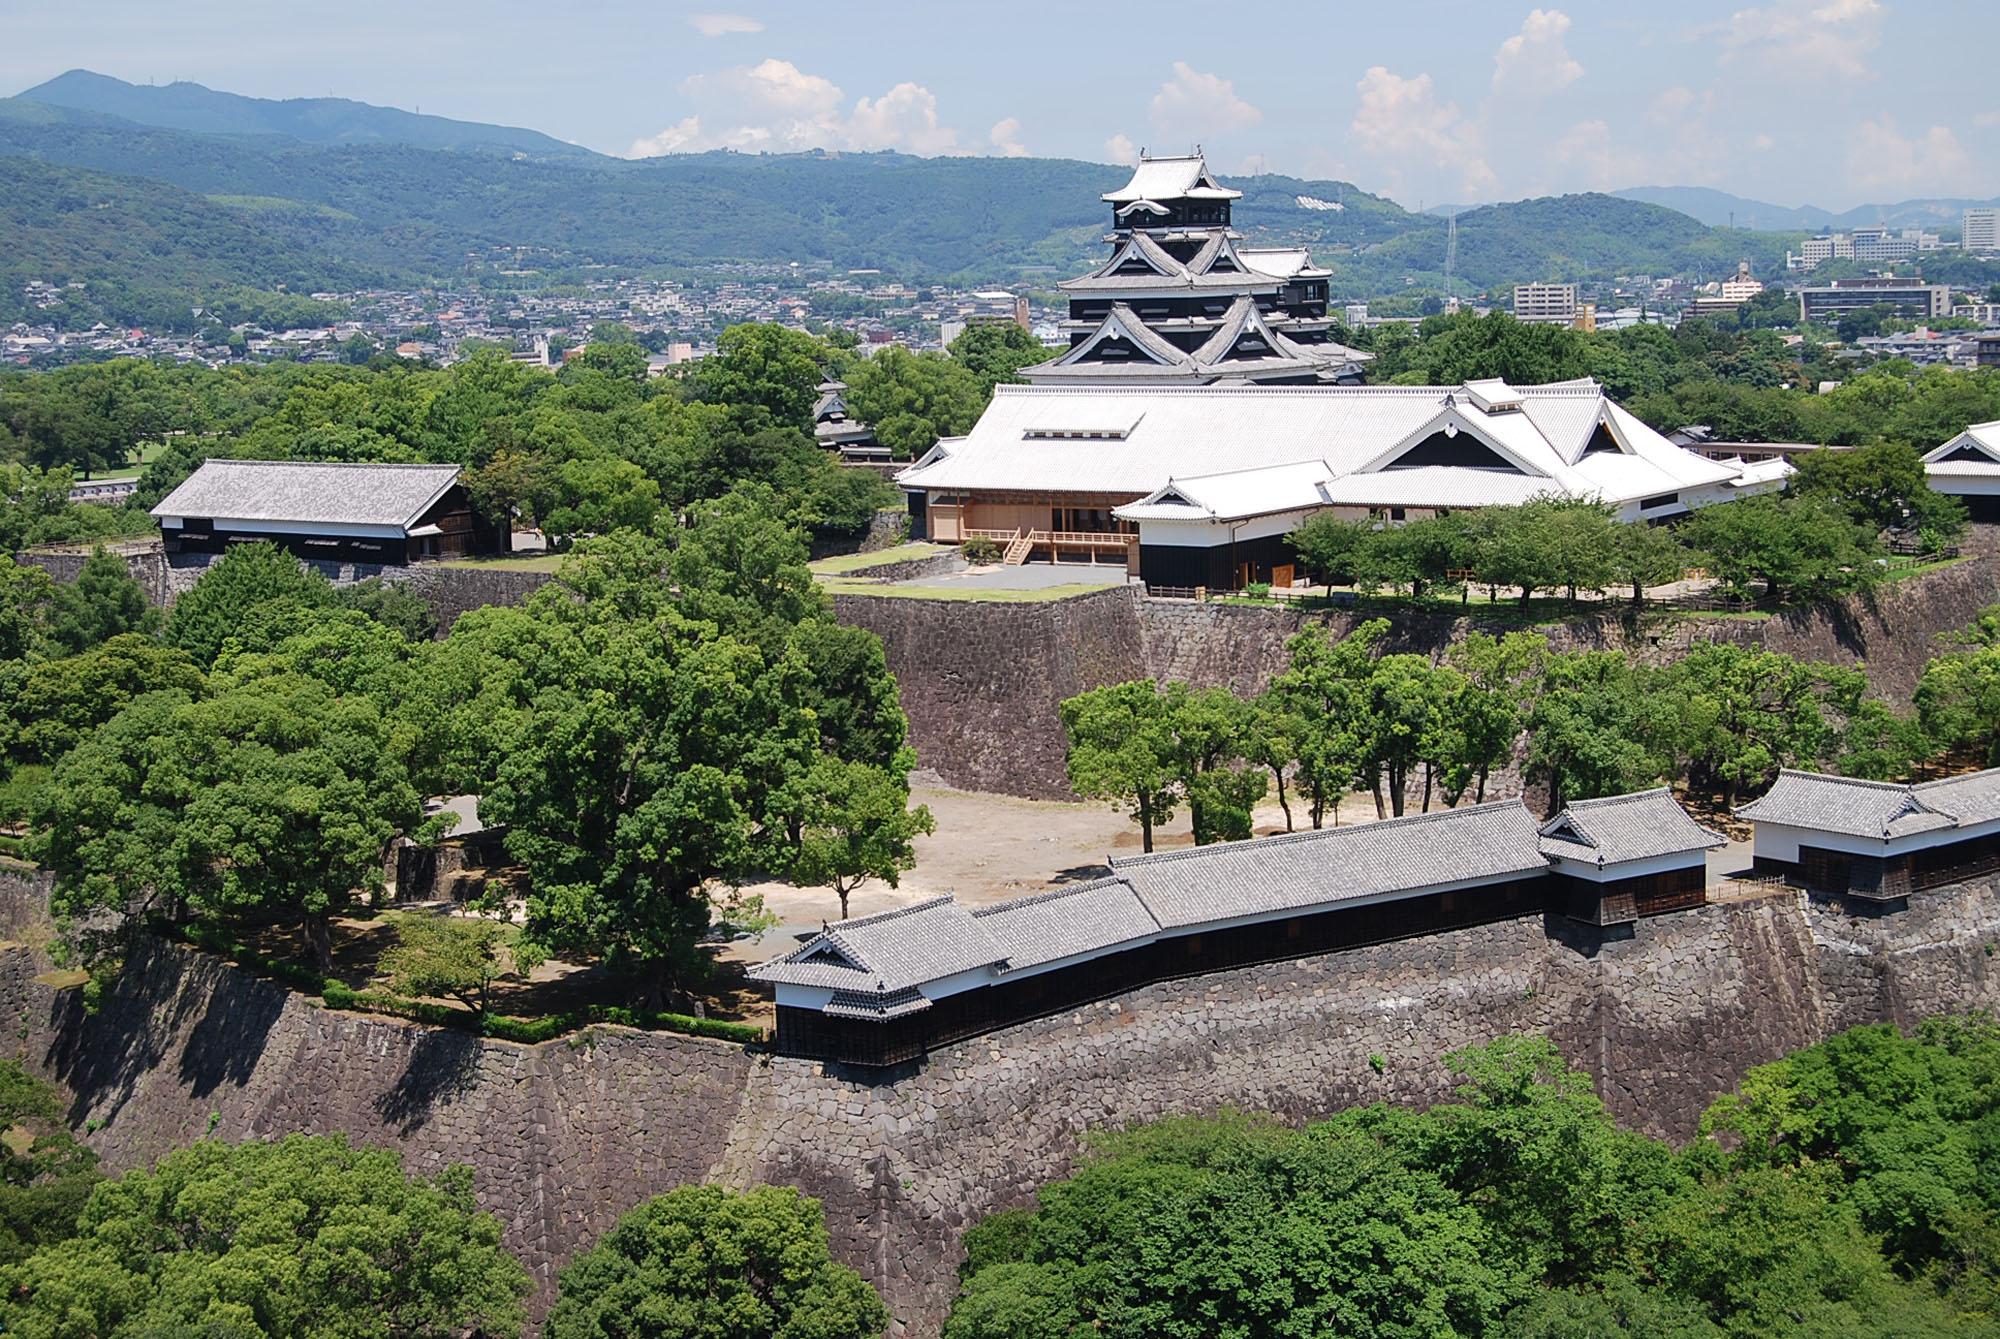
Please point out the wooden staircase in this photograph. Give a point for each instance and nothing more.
(1018, 548)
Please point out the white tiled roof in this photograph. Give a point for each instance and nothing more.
(1232, 496)
(1623, 828)
(1860, 808)
(1193, 432)
(309, 491)
(1171, 179)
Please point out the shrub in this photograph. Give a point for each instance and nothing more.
(1258, 590)
(978, 551)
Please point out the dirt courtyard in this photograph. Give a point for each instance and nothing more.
(990, 847)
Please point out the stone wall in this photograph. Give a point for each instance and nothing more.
(565, 1136)
(981, 682)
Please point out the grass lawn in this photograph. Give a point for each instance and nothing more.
(854, 562)
(132, 468)
(959, 594)
(527, 562)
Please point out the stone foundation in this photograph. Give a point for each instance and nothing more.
(565, 1136)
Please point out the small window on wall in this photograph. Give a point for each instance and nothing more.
(1658, 501)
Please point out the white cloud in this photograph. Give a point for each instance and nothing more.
(1400, 119)
(1121, 150)
(1536, 60)
(1198, 105)
(1595, 159)
(1882, 158)
(1005, 137)
(724, 25)
(775, 107)
(1672, 104)
(1811, 40)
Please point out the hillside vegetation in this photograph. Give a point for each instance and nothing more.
(428, 210)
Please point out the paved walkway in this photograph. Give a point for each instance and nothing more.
(1028, 576)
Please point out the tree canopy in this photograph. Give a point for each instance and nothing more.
(302, 1237)
(703, 1263)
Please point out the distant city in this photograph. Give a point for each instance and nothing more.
(678, 320)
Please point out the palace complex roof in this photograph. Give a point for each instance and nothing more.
(1877, 809)
(1220, 452)
(1623, 828)
(1973, 454)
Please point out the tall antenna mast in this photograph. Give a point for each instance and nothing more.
(1450, 249)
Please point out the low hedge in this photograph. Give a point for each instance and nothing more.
(503, 1027)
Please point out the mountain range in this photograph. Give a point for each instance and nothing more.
(1720, 209)
(322, 193)
(186, 106)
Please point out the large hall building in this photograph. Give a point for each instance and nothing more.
(1180, 301)
(1199, 485)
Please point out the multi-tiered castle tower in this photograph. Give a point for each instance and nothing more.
(1181, 302)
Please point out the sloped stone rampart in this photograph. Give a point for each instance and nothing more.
(565, 1136)
(982, 682)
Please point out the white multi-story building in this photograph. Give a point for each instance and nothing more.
(1982, 229)
(1551, 304)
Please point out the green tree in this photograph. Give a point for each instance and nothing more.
(101, 603)
(457, 957)
(1735, 715)
(1480, 718)
(271, 800)
(858, 826)
(1646, 555)
(1207, 732)
(1958, 701)
(58, 702)
(300, 1237)
(766, 366)
(1798, 548)
(25, 596)
(1119, 750)
(45, 1174)
(703, 1263)
(996, 351)
(1329, 548)
(1587, 728)
(912, 399)
(1324, 689)
(1882, 487)
(249, 583)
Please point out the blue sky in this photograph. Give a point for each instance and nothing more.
(1829, 102)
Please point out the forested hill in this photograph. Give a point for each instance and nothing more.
(403, 209)
(186, 106)
(149, 253)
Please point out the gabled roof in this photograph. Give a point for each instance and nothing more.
(1981, 442)
(1282, 262)
(1193, 431)
(1215, 266)
(1178, 178)
(1878, 809)
(891, 951)
(1622, 828)
(326, 492)
(1235, 495)
(1333, 865)
(1122, 323)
